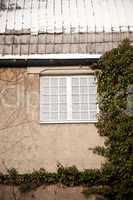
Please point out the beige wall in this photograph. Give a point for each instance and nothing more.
(25, 144)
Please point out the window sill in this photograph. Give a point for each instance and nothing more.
(69, 122)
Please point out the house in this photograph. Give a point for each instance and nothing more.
(48, 100)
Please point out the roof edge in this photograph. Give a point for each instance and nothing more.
(52, 56)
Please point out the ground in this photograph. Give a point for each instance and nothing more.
(52, 192)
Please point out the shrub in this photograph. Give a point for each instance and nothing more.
(115, 120)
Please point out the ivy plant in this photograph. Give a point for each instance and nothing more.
(115, 121)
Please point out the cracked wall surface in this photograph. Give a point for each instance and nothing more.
(25, 144)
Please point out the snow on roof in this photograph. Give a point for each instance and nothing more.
(53, 56)
(57, 16)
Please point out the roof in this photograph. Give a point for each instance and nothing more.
(35, 28)
(57, 16)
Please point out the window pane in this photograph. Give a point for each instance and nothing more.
(54, 82)
(62, 99)
(75, 107)
(75, 81)
(75, 90)
(63, 107)
(62, 90)
(92, 98)
(84, 98)
(54, 116)
(54, 91)
(44, 90)
(75, 98)
(93, 115)
(92, 106)
(84, 115)
(45, 116)
(62, 82)
(84, 107)
(92, 90)
(54, 99)
(54, 107)
(83, 81)
(63, 116)
(75, 116)
(84, 90)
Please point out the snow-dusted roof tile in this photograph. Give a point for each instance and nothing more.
(55, 16)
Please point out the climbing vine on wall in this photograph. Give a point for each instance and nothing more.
(115, 121)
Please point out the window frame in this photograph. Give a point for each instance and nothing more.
(71, 121)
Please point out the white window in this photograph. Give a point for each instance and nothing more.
(68, 99)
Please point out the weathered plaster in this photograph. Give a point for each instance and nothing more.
(25, 144)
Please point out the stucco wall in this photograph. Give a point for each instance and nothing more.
(25, 144)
